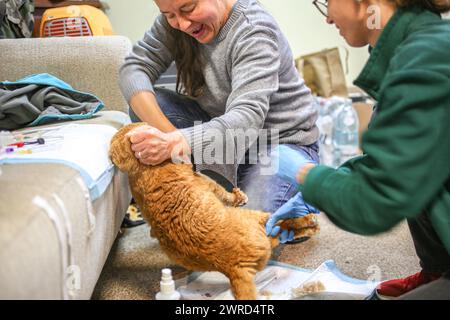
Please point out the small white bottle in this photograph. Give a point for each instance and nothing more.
(167, 290)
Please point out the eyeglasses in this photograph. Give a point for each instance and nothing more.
(322, 7)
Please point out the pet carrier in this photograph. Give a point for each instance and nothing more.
(75, 21)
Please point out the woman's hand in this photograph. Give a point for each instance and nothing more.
(152, 146)
(295, 207)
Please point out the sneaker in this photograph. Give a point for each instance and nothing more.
(133, 217)
(394, 288)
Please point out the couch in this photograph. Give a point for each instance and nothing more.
(33, 258)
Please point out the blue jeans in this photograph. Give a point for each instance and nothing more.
(265, 192)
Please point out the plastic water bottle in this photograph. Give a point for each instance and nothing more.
(345, 134)
(325, 124)
(167, 287)
(327, 109)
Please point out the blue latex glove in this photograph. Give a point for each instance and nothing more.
(290, 162)
(296, 207)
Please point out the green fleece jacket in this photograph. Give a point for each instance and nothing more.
(405, 168)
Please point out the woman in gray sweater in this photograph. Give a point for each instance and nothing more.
(238, 92)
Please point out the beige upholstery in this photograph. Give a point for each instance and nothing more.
(88, 64)
(32, 263)
(38, 261)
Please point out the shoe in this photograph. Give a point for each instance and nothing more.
(394, 288)
(133, 217)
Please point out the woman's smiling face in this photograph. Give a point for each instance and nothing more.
(201, 19)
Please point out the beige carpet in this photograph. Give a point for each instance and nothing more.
(133, 268)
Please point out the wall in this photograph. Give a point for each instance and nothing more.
(300, 21)
(131, 18)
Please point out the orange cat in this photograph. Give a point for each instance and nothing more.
(195, 219)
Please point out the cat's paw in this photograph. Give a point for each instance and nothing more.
(240, 198)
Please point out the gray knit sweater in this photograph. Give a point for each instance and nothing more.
(251, 79)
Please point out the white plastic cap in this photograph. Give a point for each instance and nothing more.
(167, 287)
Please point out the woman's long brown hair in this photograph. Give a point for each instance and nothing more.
(188, 59)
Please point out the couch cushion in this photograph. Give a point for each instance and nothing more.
(53, 239)
(49, 230)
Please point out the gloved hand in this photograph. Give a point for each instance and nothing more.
(296, 207)
(289, 163)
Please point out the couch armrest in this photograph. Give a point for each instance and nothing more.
(89, 64)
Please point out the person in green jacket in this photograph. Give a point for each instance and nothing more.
(404, 172)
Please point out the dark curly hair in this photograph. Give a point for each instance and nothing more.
(438, 6)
